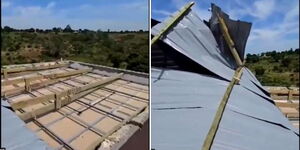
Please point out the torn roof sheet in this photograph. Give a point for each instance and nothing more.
(190, 99)
(76, 106)
(238, 30)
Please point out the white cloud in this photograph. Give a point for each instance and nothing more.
(162, 12)
(274, 37)
(260, 9)
(263, 8)
(292, 14)
(275, 22)
(277, 35)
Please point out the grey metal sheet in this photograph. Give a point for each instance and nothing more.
(15, 135)
(191, 37)
(179, 129)
(240, 132)
(169, 91)
(184, 104)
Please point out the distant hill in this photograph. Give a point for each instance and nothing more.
(124, 49)
(275, 68)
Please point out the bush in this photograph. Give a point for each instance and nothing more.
(259, 70)
(286, 62)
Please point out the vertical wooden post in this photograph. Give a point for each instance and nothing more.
(27, 84)
(290, 95)
(58, 101)
(5, 75)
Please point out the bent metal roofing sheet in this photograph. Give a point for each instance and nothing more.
(73, 106)
(184, 103)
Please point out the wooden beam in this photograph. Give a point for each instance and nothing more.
(284, 92)
(229, 41)
(19, 90)
(74, 93)
(39, 77)
(217, 119)
(33, 68)
(172, 22)
(290, 96)
(5, 76)
(292, 115)
(282, 104)
(54, 79)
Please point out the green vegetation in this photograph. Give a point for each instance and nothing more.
(124, 49)
(275, 68)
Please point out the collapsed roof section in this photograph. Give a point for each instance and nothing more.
(72, 105)
(238, 30)
(194, 40)
(189, 95)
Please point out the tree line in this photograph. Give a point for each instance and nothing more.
(275, 68)
(67, 29)
(116, 49)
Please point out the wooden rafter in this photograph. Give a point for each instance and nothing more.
(53, 78)
(71, 94)
(61, 98)
(6, 71)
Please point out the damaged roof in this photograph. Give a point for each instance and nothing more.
(185, 99)
(71, 105)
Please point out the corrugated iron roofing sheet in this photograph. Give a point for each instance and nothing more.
(15, 135)
(184, 103)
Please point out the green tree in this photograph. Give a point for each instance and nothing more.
(259, 70)
(286, 62)
(68, 29)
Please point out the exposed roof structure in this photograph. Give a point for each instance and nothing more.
(191, 73)
(71, 105)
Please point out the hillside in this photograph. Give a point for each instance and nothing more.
(275, 68)
(126, 50)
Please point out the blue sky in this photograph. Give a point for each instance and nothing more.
(275, 23)
(85, 14)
